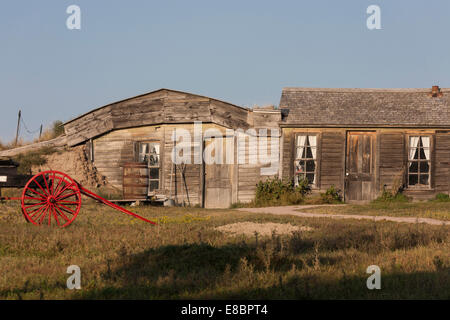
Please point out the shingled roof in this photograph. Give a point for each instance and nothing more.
(313, 107)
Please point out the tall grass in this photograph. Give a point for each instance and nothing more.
(124, 258)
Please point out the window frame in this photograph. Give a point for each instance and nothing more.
(149, 167)
(419, 186)
(316, 184)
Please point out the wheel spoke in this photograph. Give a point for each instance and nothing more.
(38, 184)
(61, 213)
(35, 219)
(65, 208)
(33, 205)
(66, 196)
(67, 185)
(58, 185)
(54, 214)
(46, 184)
(36, 211)
(43, 216)
(49, 209)
(69, 202)
(53, 182)
(38, 193)
(31, 198)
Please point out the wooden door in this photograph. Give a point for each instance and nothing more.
(360, 166)
(217, 179)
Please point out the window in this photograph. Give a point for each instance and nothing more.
(149, 153)
(419, 161)
(305, 160)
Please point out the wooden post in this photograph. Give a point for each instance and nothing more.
(18, 126)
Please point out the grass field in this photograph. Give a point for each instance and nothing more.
(185, 257)
(424, 209)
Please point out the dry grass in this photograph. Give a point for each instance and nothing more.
(185, 257)
(423, 209)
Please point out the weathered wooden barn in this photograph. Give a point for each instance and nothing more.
(364, 140)
(130, 142)
(359, 140)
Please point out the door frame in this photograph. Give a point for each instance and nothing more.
(234, 170)
(374, 156)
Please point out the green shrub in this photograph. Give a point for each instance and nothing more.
(278, 192)
(387, 196)
(442, 197)
(332, 195)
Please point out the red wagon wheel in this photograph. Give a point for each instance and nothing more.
(51, 198)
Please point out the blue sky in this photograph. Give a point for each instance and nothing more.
(243, 52)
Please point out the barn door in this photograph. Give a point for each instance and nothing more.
(360, 173)
(217, 178)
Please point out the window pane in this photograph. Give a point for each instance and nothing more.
(413, 179)
(426, 142)
(300, 167)
(413, 154)
(313, 141)
(154, 148)
(154, 185)
(424, 166)
(310, 166)
(413, 167)
(154, 173)
(301, 141)
(422, 154)
(154, 160)
(308, 153)
(143, 148)
(143, 158)
(300, 153)
(413, 142)
(424, 179)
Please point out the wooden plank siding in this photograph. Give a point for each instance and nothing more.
(114, 149)
(392, 158)
(332, 164)
(442, 163)
(155, 108)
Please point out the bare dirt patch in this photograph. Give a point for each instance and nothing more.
(263, 229)
(74, 163)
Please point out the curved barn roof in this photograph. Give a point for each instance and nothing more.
(163, 106)
(314, 107)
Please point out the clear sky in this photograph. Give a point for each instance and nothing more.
(240, 51)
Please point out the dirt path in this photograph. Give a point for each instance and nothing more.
(292, 210)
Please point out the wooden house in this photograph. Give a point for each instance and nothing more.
(130, 142)
(364, 140)
(359, 140)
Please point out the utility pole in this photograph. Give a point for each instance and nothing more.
(40, 133)
(18, 127)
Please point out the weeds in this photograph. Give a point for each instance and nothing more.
(34, 158)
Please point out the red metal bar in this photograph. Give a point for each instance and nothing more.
(112, 205)
(9, 198)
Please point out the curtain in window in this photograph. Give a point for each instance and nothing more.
(144, 148)
(426, 145)
(313, 144)
(300, 146)
(413, 144)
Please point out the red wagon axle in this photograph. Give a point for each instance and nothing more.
(54, 198)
